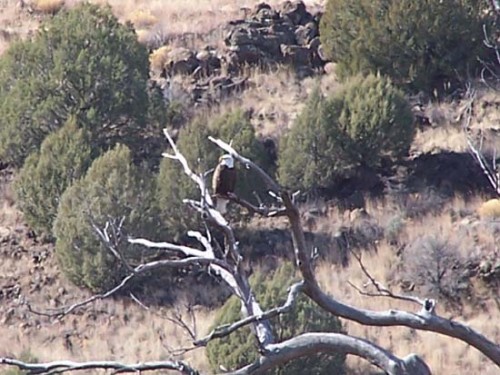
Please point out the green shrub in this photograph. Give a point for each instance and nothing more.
(361, 124)
(82, 63)
(173, 185)
(240, 349)
(421, 44)
(113, 188)
(64, 157)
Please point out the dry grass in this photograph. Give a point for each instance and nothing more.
(447, 133)
(14, 22)
(451, 137)
(158, 58)
(142, 19)
(444, 355)
(444, 138)
(124, 333)
(490, 209)
(178, 17)
(190, 23)
(440, 352)
(275, 97)
(4, 44)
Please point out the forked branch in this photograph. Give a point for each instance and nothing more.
(428, 305)
(143, 268)
(226, 330)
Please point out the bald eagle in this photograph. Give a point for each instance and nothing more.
(223, 182)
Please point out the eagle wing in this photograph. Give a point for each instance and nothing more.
(223, 180)
(230, 179)
(216, 180)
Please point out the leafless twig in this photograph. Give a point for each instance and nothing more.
(64, 366)
(125, 281)
(261, 210)
(227, 329)
(111, 242)
(490, 171)
(383, 291)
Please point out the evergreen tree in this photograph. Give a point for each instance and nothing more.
(364, 122)
(112, 189)
(423, 45)
(63, 158)
(82, 63)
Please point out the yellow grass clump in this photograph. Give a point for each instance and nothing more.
(143, 19)
(143, 35)
(158, 58)
(490, 209)
(48, 6)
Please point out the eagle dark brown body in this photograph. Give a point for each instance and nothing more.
(223, 181)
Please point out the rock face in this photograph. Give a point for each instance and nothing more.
(181, 61)
(286, 35)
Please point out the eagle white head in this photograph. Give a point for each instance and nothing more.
(227, 160)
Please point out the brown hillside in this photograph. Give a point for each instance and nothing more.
(433, 196)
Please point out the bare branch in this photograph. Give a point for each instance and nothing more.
(309, 344)
(227, 329)
(178, 156)
(64, 366)
(111, 243)
(125, 281)
(205, 241)
(490, 172)
(383, 291)
(184, 250)
(261, 210)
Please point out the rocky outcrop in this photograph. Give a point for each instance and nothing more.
(266, 37)
(287, 35)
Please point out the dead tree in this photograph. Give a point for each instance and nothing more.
(228, 265)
